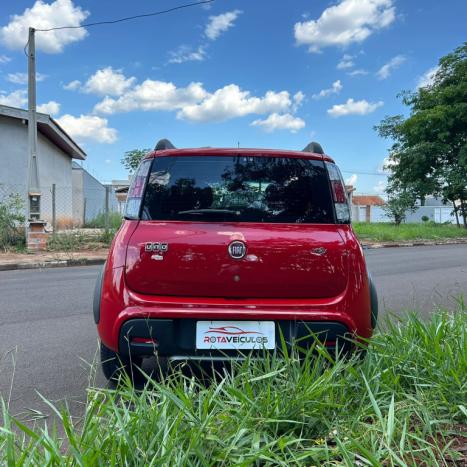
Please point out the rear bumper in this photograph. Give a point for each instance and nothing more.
(174, 318)
(176, 338)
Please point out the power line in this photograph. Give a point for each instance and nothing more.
(376, 174)
(120, 20)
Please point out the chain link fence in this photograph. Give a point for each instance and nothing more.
(71, 207)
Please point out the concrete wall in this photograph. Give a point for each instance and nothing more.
(54, 167)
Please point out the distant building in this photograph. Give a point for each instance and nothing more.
(56, 151)
(121, 191)
(364, 207)
(434, 209)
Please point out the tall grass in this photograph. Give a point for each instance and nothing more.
(384, 232)
(404, 404)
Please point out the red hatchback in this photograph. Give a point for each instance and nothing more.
(227, 251)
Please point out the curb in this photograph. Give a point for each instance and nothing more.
(52, 264)
(376, 246)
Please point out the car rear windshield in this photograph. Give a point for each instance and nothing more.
(238, 189)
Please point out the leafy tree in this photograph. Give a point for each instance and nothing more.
(398, 204)
(131, 159)
(429, 153)
(11, 219)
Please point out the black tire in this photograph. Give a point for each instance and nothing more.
(374, 303)
(114, 366)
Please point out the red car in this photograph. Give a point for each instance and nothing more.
(223, 251)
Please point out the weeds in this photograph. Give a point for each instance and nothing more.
(404, 404)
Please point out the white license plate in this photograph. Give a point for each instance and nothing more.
(235, 335)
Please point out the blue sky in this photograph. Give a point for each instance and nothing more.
(261, 74)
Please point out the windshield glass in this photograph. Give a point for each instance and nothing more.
(238, 189)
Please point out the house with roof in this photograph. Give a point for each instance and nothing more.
(367, 208)
(56, 153)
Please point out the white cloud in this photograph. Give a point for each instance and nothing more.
(16, 98)
(230, 102)
(387, 68)
(380, 187)
(347, 22)
(22, 78)
(72, 85)
(186, 54)
(352, 180)
(358, 72)
(51, 108)
(352, 107)
(220, 23)
(335, 88)
(4, 59)
(153, 95)
(44, 16)
(196, 104)
(108, 82)
(346, 62)
(427, 78)
(277, 121)
(88, 128)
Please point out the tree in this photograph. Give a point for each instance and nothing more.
(398, 204)
(132, 158)
(429, 153)
(11, 219)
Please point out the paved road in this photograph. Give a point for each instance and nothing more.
(48, 339)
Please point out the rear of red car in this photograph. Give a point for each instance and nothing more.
(226, 250)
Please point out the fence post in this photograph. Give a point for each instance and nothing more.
(54, 212)
(84, 212)
(107, 189)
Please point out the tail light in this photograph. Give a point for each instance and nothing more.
(339, 194)
(136, 190)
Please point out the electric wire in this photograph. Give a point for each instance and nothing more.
(120, 20)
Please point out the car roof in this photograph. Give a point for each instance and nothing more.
(238, 152)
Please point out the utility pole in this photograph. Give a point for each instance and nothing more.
(34, 193)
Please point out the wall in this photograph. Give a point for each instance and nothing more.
(54, 167)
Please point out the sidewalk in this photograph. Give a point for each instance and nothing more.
(11, 261)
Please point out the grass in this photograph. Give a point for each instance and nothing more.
(115, 220)
(384, 232)
(76, 241)
(404, 404)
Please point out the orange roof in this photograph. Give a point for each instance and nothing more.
(367, 200)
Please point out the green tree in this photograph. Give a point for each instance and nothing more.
(131, 159)
(398, 204)
(429, 153)
(11, 220)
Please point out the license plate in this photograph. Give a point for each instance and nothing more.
(237, 335)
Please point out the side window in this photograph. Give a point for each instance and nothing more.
(136, 190)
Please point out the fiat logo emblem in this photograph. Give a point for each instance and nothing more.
(237, 249)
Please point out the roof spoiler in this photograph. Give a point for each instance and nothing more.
(164, 144)
(314, 147)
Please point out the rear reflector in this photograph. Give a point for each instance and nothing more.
(143, 340)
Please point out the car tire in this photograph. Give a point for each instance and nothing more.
(374, 303)
(115, 366)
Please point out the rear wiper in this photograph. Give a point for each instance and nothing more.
(210, 211)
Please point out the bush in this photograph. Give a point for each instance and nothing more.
(11, 221)
(425, 218)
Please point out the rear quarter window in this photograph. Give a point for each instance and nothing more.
(238, 189)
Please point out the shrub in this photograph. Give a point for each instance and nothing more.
(11, 221)
(115, 219)
(425, 218)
